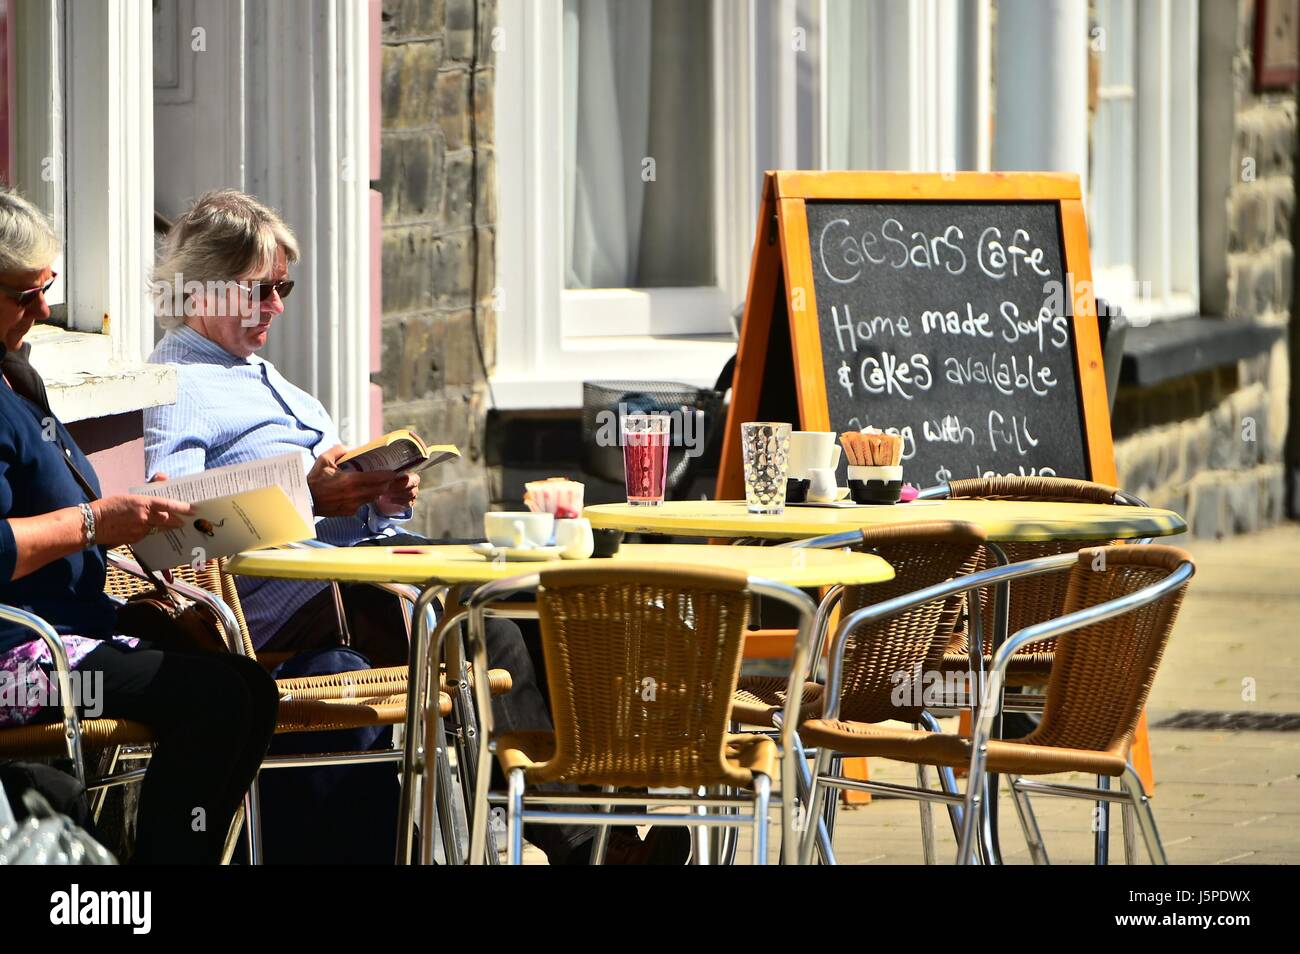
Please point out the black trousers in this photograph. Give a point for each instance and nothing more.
(213, 716)
(376, 621)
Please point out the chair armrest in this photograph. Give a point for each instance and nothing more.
(230, 630)
(991, 702)
(900, 604)
(829, 541)
(62, 674)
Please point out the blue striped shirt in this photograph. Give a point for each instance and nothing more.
(230, 410)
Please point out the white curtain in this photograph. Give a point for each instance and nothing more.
(848, 85)
(638, 143)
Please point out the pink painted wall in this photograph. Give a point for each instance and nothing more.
(115, 446)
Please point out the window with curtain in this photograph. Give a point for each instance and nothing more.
(638, 144)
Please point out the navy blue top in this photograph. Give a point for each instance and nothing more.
(34, 480)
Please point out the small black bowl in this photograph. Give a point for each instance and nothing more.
(875, 491)
(606, 541)
(796, 490)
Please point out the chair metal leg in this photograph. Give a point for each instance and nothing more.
(101, 794)
(480, 820)
(803, 783)
(253, 823)
(947, 778)
(832, 806)
(973, 815)
(1101, 826)
(701, 839)
(340, 614)
(1028, 823)
(414, 759)
(1129, 825)
(927, 815)
(514, 819)
(1146, 820)
(989, 850)
(601, 841)
(816, 795)
(446, 798)
(762, 800)
(232, 835)
(728, 836)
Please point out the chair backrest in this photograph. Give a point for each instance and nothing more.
(1038, 598)
(1103, 672)
(642, 662)
(883, 661)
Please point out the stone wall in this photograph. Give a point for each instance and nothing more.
(1211, 445)
(438, 244)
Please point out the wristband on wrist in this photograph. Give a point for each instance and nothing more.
(87, 523)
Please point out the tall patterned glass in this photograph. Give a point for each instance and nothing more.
(766, 448)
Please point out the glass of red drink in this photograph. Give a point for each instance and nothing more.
(645, 457)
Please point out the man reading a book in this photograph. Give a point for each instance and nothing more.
(230, 257)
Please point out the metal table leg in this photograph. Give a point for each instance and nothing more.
(413, 747)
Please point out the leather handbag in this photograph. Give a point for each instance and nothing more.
(160, 618)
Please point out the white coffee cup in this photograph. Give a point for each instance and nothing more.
(821, 485)
(575, 537)
(810, 449)
(518, 529)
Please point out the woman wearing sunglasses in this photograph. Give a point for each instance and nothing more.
(213, 715)
(225, 271)
(220, 285)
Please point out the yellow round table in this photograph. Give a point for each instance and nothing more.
(435, 568)
(1003, 520)
(458, 564)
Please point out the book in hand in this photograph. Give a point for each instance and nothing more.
(261, 503)
(402, 452)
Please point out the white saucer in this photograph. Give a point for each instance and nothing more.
(841, 494)
(517, 554)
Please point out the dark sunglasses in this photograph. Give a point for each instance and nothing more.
(260, 291)
(25, 297)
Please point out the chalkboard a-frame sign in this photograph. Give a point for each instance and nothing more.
(956, 308)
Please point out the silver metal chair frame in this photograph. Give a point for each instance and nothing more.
(975, 800)
(234, 641)
(1134, 795)
(1024, 703)
(516, 801)
(847, 539)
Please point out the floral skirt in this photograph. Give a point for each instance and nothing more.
(27, 683)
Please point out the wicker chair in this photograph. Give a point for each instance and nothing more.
(1038, 598)
(1119, 608)
(642, 662)
(922, 555)
(307, 704)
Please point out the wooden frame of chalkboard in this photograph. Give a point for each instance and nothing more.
(779, 367)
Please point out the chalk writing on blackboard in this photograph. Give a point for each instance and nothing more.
(944, 322)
